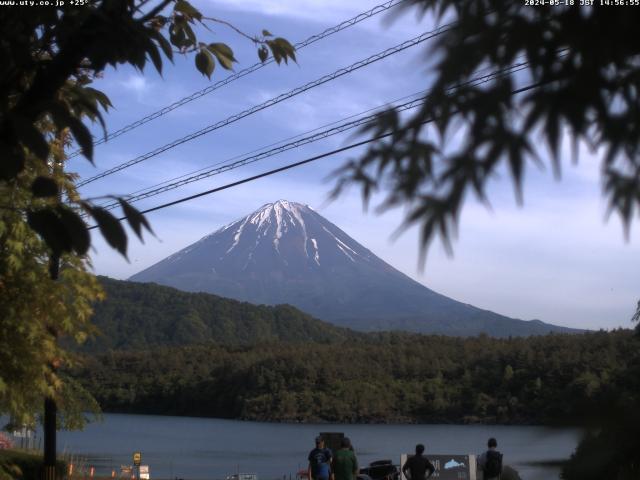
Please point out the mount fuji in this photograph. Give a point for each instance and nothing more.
(285, 252)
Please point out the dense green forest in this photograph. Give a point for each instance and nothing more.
(377, 378)
(146, 315)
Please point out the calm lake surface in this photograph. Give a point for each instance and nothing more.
(204, 448)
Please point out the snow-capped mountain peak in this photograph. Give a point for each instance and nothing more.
(298, 226)
(285, 252)
(279, 243)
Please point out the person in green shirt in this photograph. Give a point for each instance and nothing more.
(345, 463)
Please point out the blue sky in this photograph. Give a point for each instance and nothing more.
(554, 259)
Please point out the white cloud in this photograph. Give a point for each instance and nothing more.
(137, 83)
(313, 10)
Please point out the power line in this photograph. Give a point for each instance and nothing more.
(275, 100)
(261, 175)
(270, 145)
(481, 77)
(292, 165)
(383, 7)
(225, 166)
(299, 140)
(262, 148)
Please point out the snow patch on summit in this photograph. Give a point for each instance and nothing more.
(342, 246)
(316, 255)
(236, 237)
(281, 213)
(273, 222)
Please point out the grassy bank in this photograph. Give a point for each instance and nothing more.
(17, 464)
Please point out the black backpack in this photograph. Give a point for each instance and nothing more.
(493, 464)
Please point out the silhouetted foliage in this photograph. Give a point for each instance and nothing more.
(610, 449)
(50, 56)
(581, 78)
(581, 81)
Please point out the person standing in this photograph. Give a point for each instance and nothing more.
(490, 462)
(418, 465)
(319, 461)
(345, 463)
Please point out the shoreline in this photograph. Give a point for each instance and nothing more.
(317, 421)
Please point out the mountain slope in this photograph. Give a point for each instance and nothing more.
(141, 316)
(285, 252)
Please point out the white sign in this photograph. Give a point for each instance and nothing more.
(24, 432)
(144, 472)
(454, 467)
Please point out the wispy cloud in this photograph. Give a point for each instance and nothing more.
(314, 10)
(137, 83)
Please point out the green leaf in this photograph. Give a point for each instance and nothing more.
(204, 62)
(223, 53)
(135, 218)
(100, 97)
(48, 225)
(266, 33)
(83, 137)
(275, 51)
(191, 36)
(30, 136)
(281, 48)
(164, 44)
(177, 36)
(63, 118)
(12, 162)
(76, 229)
(43, 187)
(263, 53)
(110, 228)
(187, 9)
(154, 55)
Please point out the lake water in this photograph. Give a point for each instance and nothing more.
(204, 448)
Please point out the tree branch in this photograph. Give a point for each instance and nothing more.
(232, 27)
(155, 11)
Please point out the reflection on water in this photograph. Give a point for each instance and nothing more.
(199, 448)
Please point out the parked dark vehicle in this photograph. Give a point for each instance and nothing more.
(362, 476)
(381, 470)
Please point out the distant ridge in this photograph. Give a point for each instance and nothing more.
(286, 253)
(138, 316)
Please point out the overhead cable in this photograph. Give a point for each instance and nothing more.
(383, 7)
(483, 75)
(275, 100)
(291, 165)
(300, 140)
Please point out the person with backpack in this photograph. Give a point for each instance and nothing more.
(320, 461)
(490, 462)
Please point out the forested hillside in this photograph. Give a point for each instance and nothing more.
(377, 378)
(141, 316)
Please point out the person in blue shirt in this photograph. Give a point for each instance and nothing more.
(320, 461)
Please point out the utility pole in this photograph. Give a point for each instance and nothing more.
(50, 414)
(50, 407)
